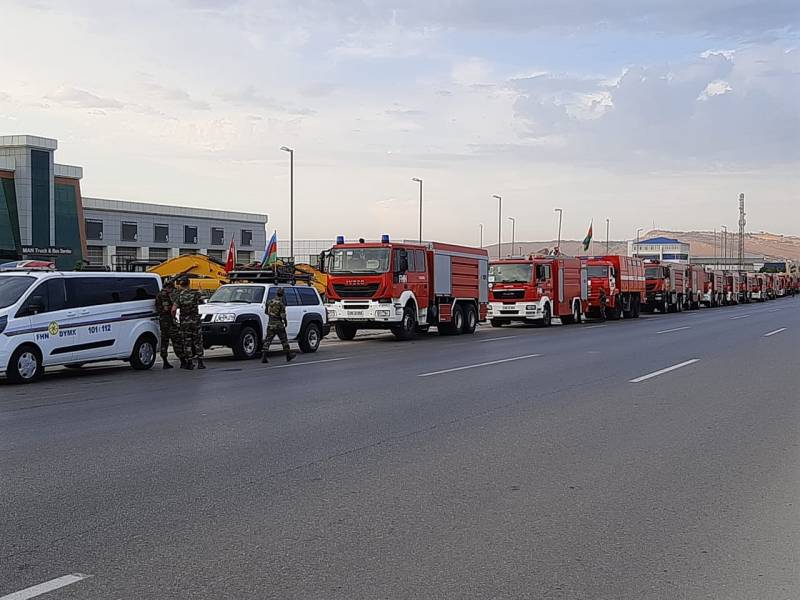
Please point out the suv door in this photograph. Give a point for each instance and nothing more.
(294, 310)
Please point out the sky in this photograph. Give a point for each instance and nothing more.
(647, 112)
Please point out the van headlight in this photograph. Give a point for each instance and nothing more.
(224, 318)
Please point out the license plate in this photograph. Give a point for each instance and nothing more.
(355, 313)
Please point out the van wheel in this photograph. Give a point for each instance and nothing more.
(346, 331)
(470, 319)
(143, 356)
(310, 337)
(246, 345)
(408, 326)
(25, 365)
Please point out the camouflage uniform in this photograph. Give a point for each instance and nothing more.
(276, 311)
(167, 324)
(187, 301)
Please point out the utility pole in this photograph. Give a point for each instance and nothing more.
(513, 232)
(607, 228)
(560, 215)
(291, 200)
(724, 244)
(499, 224)
(481, 226)
(419, 181)
(742, 223)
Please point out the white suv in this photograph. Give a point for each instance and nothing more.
(235, 317)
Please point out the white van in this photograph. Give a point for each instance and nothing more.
(50, 318)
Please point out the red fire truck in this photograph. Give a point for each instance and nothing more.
(406, 287)
(713, 289)
(695, 287)
(621, 280)
(536, 289)
(664, 284)
(731, 288)
(747, 285)
(760, 293)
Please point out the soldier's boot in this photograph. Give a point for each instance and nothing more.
(166, 364)
(200, 363)
(183, 363)
(189, 364)
(264, 358)
(290, 356)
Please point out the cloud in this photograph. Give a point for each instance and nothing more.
(174, 94)
(77, 98)
(249, 96)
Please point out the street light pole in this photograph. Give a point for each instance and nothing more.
(513, 232)
(291, 200)
(560, 215)
(481, 225)
(499, 224)
(724, 244)
(418, 180)
(607, 228)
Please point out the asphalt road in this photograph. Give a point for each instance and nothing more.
(518, 463)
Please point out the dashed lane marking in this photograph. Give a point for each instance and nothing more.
(662, 371)
(475, 366)
(671, 330)
(47, 586)
(300, 364)
(740, 317)
(771, 333)
(593, 327)
(497, 339)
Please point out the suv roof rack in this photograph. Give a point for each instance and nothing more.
(274, 275)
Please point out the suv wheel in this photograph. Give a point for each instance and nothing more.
(310, 337)
(246, 345)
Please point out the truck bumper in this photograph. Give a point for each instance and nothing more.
(517, 311)
(364, 312)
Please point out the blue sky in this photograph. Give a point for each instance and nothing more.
(639, 110)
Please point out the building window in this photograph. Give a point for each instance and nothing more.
(217, 255)
(188, 251)
(94, 230)
(189, 234)
(247, 237)
(94, 255)
(217, 236)
(244, 257)
(129, 232)
(161, 254)
(161, 234)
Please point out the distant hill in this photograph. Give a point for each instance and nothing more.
(773, 246)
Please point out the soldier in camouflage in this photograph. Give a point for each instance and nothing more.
(167, 324)
(276, 311)
(186, 301)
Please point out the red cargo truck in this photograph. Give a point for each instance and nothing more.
(695, 287)
(536, 289)
(664, 285)
(731, 288)
(621, 280)
(406, 287)
(713, 289)
(760, 293)
(747, 284)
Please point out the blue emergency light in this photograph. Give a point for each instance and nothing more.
(384, 239)
(340, 239)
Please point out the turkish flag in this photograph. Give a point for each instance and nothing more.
(230, 264)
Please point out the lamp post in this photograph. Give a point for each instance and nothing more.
(419, 181)
(481, 226)
(607, 228)
(724, 244)
(499, 224)
(513, 232)
(291, 200)
(560, 215)
(638, 231)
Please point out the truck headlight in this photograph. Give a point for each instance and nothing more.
(530, 307)
(382, 313)
(224, 318)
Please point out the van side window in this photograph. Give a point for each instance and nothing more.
(136, 288)
(308, 296)
(50, 295)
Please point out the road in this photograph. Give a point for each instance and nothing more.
(655, 459)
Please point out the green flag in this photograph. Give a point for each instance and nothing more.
(588, 239)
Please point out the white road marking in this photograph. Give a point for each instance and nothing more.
(593, 327)
(300, 364)
(662, 371)
(740, 317)
(774, 310)
(47, 586)
(506, 337)
(671, 330)
(475, 366)
(765, 335)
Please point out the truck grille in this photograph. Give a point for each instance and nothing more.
(508, 294)
(356, 291)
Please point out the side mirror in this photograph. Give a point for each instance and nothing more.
(322, 257)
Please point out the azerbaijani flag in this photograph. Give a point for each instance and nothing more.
(271, 251)
(588, 239)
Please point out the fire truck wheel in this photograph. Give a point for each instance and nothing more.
(547, 317)
(346, 331)
(470, 319)
(408, 326)
(637, 308)
(496, 323)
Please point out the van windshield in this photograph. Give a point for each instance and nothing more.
(12, 288)
(246, 294)
(359, 260)
(510, 273)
